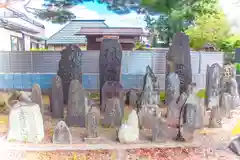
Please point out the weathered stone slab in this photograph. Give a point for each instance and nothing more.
(37, 97)
(76, 105)
(129, 131)
(70, 67)
(110, 59)
(160, 130)
(113, 114)
(172, 87)
(213, 85)
(150, 93)
(26, 123)
(112, 89)
(62, 134)
(57, 106)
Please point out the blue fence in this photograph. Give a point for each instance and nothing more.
(90, 82)
(20, 70)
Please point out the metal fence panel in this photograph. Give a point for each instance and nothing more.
(138, 61)
(90, 62)
(20, 62)
(45, 62)
(209, 58)
(4, 62)
(195, 62)
(159, 62)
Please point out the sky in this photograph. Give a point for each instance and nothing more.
(90, 10)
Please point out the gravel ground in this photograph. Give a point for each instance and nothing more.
(139, 154)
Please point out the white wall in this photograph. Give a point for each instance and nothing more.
(5, 41)
(27, 43)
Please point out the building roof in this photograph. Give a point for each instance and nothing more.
(22, 16)
(111, 31)
(66, 35)
(15, 27)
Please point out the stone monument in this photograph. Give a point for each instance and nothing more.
(70, 68)
(56, 100)
(179, 60)
(110, 59)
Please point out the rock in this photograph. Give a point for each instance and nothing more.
(133, 98)
(76, 105)
(226, 105)
(113, 114)
(147, 115)
(215, 118)
(160, 130)
(37, 97)
(234, 146)
(26, 123)
(62, 134)
(25, 97)
(56, 100)
(129, 131)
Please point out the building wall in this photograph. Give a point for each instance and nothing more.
(92, 44)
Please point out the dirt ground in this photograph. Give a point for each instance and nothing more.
(207, 138)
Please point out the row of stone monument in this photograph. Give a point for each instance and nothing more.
(185, 112)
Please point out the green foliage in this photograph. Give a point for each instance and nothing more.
(38, 49)
(201, 93)
(139, 46)
(237, 65)
(209, 28)
(59, 16)
(229, 44)
(162, 96)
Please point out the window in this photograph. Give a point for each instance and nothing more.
(16, 43)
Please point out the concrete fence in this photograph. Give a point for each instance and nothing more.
(20, 70)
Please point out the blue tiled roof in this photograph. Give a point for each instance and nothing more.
(66, 34)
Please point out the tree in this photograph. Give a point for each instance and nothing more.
(209, 28)
(176, 15)
(185, 8)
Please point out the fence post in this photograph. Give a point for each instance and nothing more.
(200, 62)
